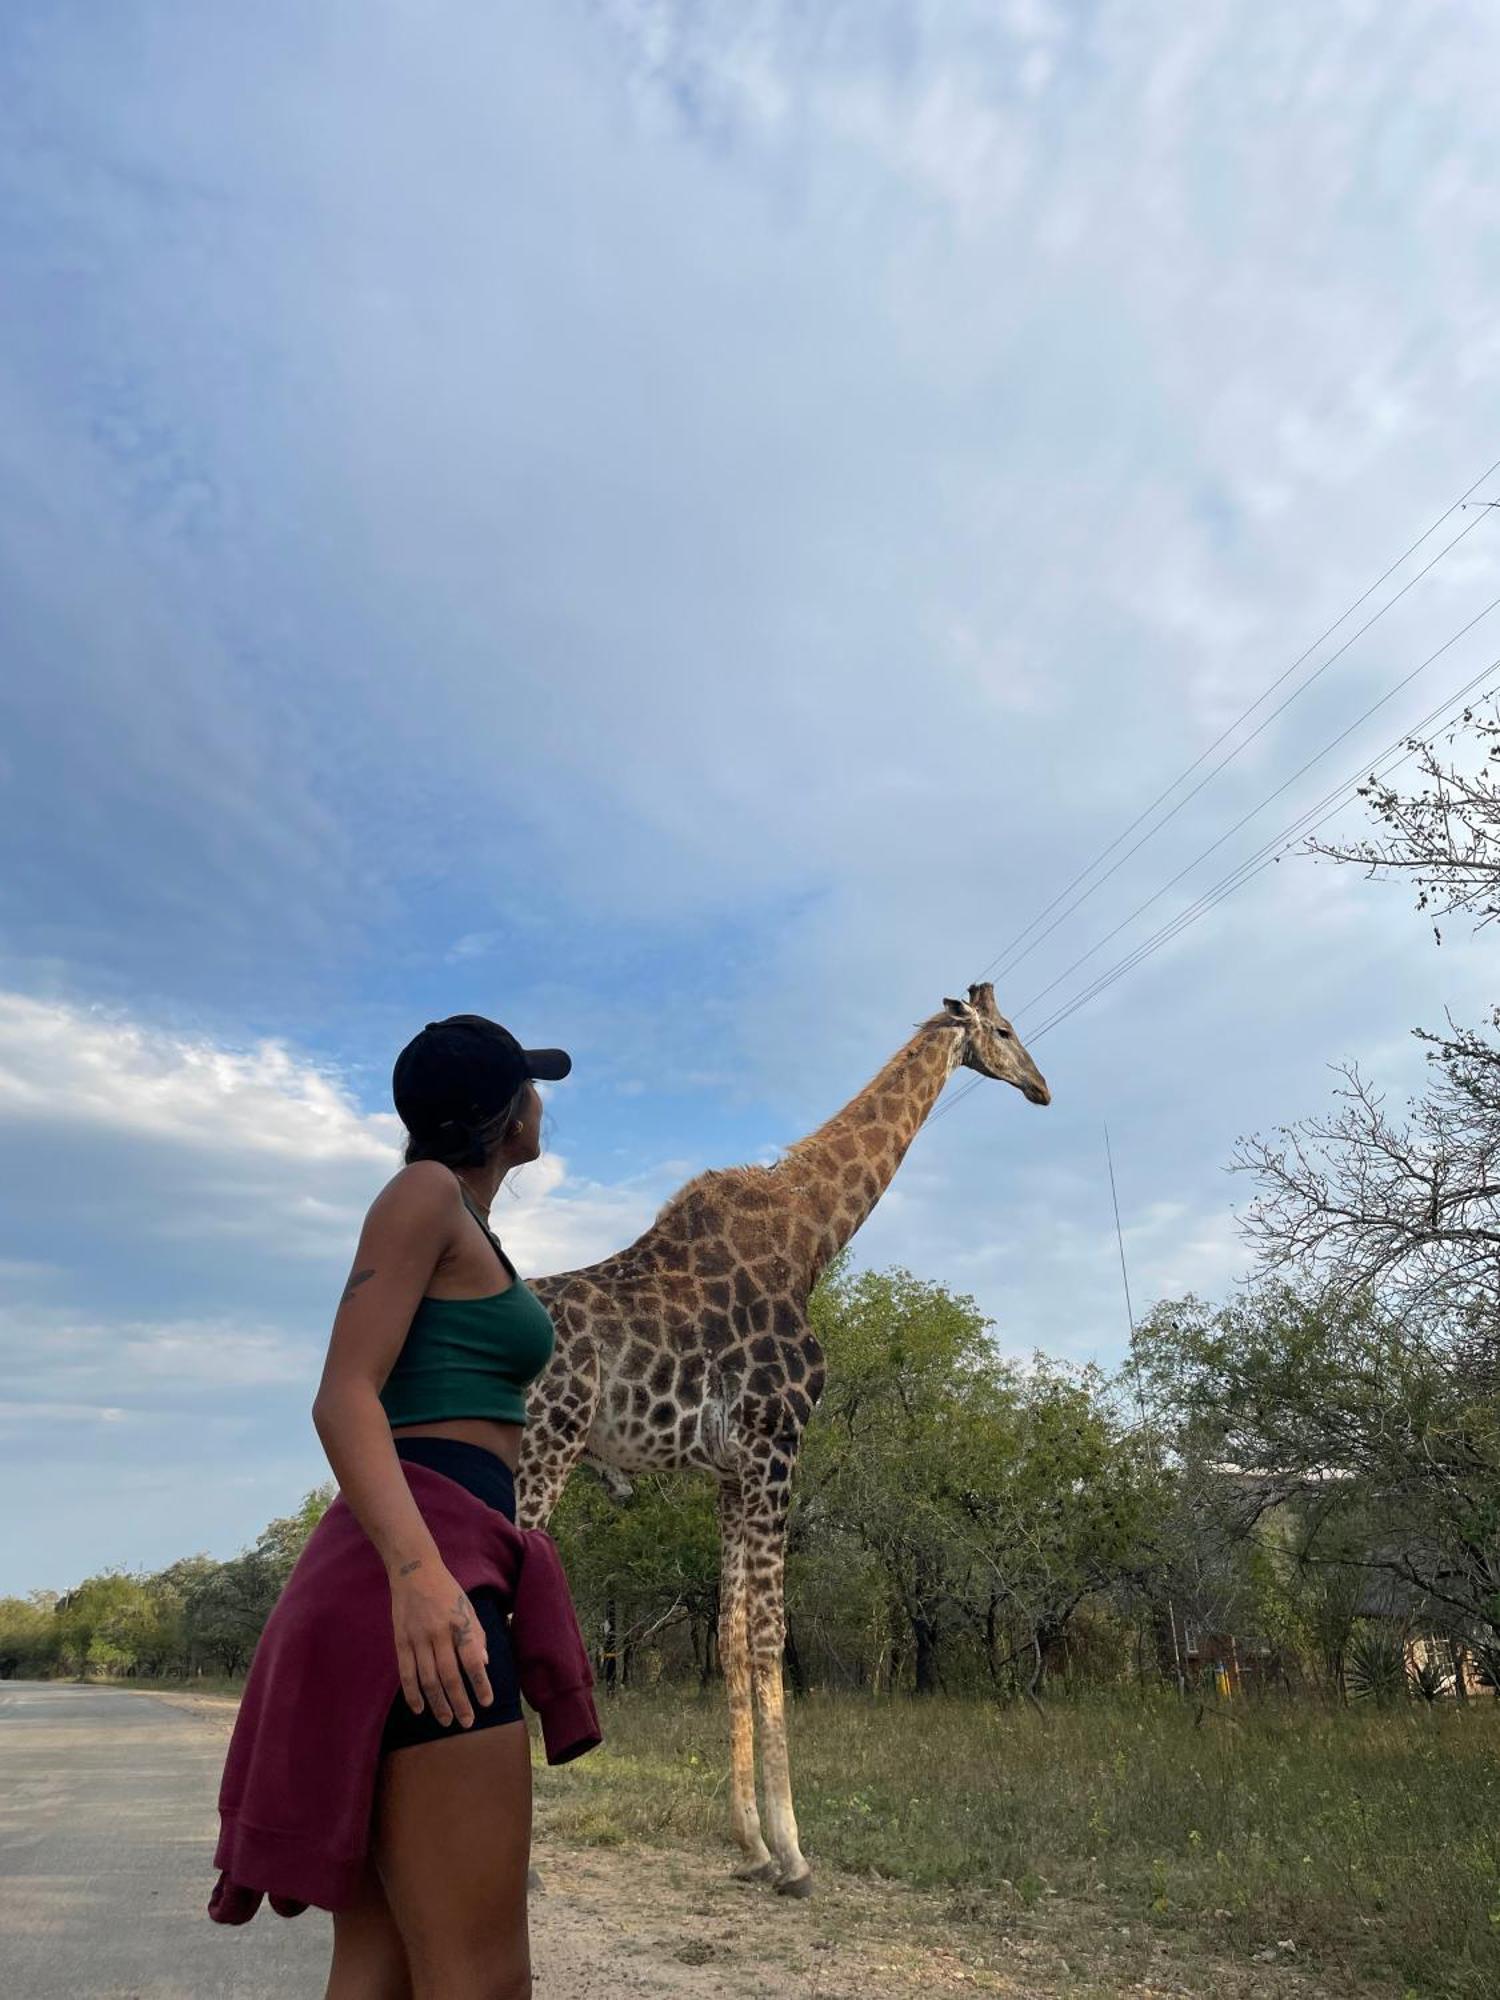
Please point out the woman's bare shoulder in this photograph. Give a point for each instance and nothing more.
(424, 1192)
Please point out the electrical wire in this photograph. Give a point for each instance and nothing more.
(1270, 689)
(1307, 822)
(1224, 762)
(1256, 810)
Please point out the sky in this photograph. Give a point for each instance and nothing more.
(682, 528)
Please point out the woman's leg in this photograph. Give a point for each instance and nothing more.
(369, 1959)
(452, 1840)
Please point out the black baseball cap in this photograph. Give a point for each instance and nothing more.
(465, 1070)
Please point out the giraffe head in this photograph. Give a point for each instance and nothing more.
(992, 1046)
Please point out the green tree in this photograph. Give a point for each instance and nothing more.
(28, 1636)
(226, 1607)
(643, 1567)
(1390, 1451)
(993, 1499)
(100, 1622)
(281, 1541)
(903, 1356)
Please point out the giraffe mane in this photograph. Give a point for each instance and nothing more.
(711, 1178)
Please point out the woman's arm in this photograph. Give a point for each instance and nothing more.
(409, 1225)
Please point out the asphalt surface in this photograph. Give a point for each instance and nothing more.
(107, 1829)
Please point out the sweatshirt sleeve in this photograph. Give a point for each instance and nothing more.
(552, 1662)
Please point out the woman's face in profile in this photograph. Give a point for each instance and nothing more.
(528, 1141)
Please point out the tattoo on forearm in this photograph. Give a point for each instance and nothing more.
(407, 1568)
(354, 1284)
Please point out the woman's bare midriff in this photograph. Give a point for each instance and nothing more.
(502, 1439)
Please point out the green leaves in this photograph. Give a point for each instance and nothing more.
(993, 1498)
(1365, 1440)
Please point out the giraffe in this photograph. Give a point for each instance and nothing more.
(692, 1347)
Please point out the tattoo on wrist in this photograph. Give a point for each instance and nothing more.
(407, 1568)
(354, 1284)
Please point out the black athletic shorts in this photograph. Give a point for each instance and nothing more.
(486, 1475)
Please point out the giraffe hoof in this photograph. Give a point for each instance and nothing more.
(795, 1885)
(756, 1871)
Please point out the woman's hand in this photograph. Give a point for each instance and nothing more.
(437, 1633)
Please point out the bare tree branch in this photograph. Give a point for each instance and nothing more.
(1446, 832)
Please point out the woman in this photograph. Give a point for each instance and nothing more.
(433, 1345)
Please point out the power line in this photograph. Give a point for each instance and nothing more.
(1223, 763)
(1269, 690)
(1307, 822)
(1255, 811)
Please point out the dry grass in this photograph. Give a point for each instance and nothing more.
(1365, 1847)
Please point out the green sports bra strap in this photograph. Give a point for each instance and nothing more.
(472, 1206)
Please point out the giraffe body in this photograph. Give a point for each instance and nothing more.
(692, 1348)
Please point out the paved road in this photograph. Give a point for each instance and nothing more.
(107, 1830)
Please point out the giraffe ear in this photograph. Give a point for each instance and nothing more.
(959, 1008)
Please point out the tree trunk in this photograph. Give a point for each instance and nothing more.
(991, 1638)
(611, 1632)
(1169, 1662)
(1460, 1669)
(926, 1654)
(796, 1679)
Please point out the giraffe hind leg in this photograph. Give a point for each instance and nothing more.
(734, 1657)
(765, 1542)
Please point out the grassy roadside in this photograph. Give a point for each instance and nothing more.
(1363, 1846)
(1359, 1850)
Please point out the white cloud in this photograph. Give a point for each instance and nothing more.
(260, 1146)
(14, 1416)
(228, 1209)
(62, 1065)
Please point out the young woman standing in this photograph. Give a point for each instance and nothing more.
(432, 1348)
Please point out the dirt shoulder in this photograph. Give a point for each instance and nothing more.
(673, 1922)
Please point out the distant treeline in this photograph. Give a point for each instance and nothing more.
(966, 1522)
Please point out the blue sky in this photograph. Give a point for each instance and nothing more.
(681, 527)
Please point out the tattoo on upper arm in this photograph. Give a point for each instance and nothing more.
(354, 1284)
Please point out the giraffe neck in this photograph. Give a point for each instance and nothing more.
(838, 1173)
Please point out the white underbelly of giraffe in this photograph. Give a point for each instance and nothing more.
(641, 1443)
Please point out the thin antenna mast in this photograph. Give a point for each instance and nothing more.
(1140, 1400)
(1135, 1364)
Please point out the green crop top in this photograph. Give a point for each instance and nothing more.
(471, 1357)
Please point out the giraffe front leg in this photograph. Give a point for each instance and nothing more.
(765, 1542)
(734, 1659)
(557, 1435)
(550, 1448)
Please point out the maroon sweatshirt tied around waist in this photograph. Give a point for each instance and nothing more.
(299, 1777)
